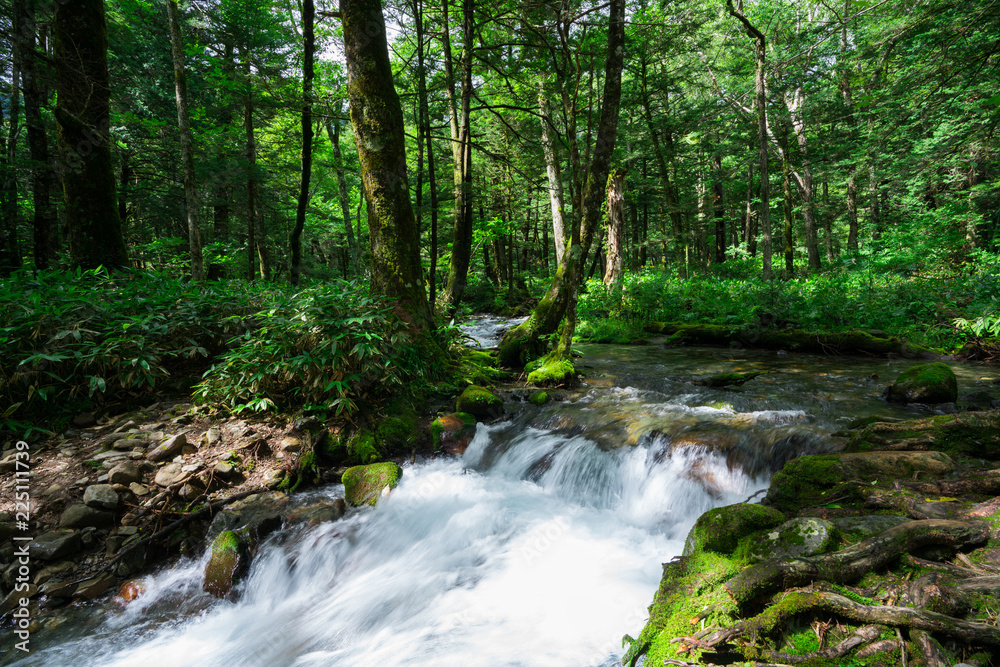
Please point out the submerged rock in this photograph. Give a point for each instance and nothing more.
(479, 402)
(453, 433)
(364, 485)
(926, 383)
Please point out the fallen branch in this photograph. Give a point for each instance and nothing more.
(855, 561)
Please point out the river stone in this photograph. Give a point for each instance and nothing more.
(168, 474)
(55, 544)
(479, 402)
(540, 397)
(101, 496)
(720, 529)
(290, 443)
(926, 383)
(897, 465)
(453, 433)
(128, 444)
(318, 512)
(805, 536)
(170, 448)
(110, 454)
(84, 420)
(213, 436)
(125, 473)
(91, 588)
(81, 516)
(364, 485)
(227, 565)
(255, 516)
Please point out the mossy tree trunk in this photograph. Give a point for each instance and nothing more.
(83, 114)
(333, 132)
(559, 301)
(378, 128)
(10, 254)
(616, 228)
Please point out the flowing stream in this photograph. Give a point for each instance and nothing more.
(540, 547)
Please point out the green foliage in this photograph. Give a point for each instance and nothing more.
(331, 344)
(68, 340)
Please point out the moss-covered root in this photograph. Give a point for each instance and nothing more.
(973, 633)
(853, 562)
(553, 371)
(364, 485)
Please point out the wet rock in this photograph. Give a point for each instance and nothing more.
(319, 512)
(926, 383)
(228, 563)
(977, 400)
(726, 379)
(101, 496)
(862, 527)
(169, 474)
(82, 516)
(453, 433)
(720, 529)
(479, 402)
(364, 485)
(125, 473)
(897, 465)
(55, 544)
(13, 599)
(129, 591)
(92, 588)
(170, 448)
(806, 536)
(257, 515)
(84, 420)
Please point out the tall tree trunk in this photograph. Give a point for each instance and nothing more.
(561, 298)
(44, 221)
(378, 127)
(10, 253)
(333, 132)
(83, 114)
(461, 249)
(552, 173)
(750, 217)
(786, 204)
(807, 189)
(191, 203)
(718, 209)
(760, 87)
(256, 242)
(845, 91)
(424, 134)
(309, 49)
(616, 229)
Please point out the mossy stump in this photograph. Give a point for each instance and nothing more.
(926, 383)
(364, 485)
(479, 402)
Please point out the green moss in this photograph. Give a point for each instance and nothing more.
(926, 383)
(362, 447)
(226, 542)
(479, 402)
(539, 398)
(363, 485)
(804, 481)
(553, 371)
(398, 431)
(721, 528)
(458, 422)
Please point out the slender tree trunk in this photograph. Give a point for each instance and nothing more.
(552, 173)
(760, 87)
(44, 221)
(718, 209)
(333, 132)
(616, 229)
(807, 190)
(10, 254)
(191, 203)
(309, 49)
(83, 114)
(786, 204)
(377, 118)
(750, 218)
(845, 90)
(424, 134)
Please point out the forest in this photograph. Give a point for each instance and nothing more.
(258, 243)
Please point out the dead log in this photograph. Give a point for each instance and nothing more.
(855, 561)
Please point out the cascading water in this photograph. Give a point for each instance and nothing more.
(541, 546)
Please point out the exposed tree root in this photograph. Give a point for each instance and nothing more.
(978, 633)
(862, 635)
(853, 562)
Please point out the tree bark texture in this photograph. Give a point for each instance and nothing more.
(616, 229)
(552, 173)
(305, 173)
(377, 118)
(83, 115)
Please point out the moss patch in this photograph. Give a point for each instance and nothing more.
(453, 433)
(479, 402)
(804, 481)
(927, 383)
(227, 565)
(363, 485)
(553, 371)
(721, 528)
(539, 398)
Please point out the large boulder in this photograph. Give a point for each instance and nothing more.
(720, 529)
(805, 536)
(364, 485)
(479, 402)
(926, 383)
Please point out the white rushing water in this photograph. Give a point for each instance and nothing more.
(535, 549)
(485, 331)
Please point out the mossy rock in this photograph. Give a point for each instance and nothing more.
(364, 485)
(453, 433)
(927, 383)
(553, 371)
(720, 529)
(726, 379)
(885, 466)
(975, 434)
(398, 431)
(228, 563)
(804, 481)
(479, 402)
(805, 536)
(539, 398)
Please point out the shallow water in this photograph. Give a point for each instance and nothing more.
(541, 546)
